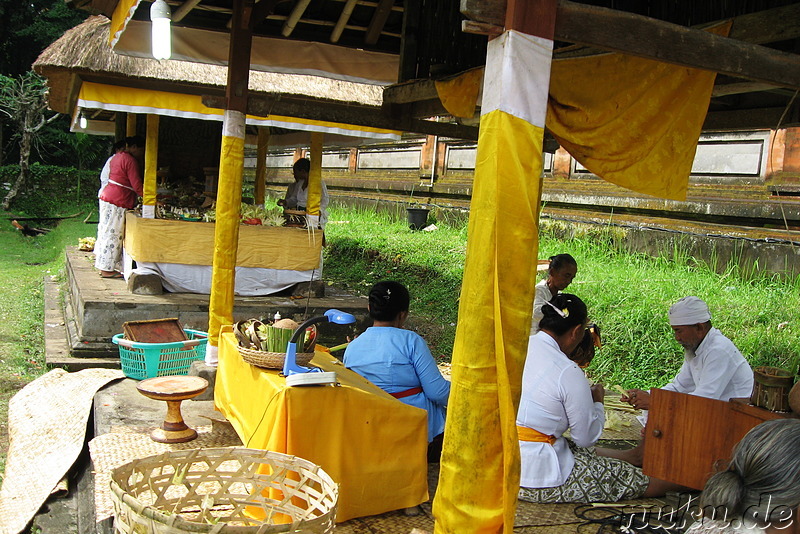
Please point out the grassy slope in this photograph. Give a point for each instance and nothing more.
(24, 262)
(627, 294)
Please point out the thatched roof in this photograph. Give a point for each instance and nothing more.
(83, 53)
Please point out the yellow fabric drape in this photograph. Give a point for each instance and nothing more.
(315, 175)
(261, 165)
(634, 122)
(119, 19)
(130, 124)
(460, 94)
(371, 444)
(479, 476)
(151, 162)
(192, 243)
(229, 199)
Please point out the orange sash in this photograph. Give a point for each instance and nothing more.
(529, 434)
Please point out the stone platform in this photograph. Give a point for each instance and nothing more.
(84, 312)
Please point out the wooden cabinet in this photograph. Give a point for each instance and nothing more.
(688, 437)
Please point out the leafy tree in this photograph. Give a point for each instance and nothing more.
(23, 100)
(28, 28)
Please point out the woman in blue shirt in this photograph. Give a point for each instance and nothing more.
(398, 360)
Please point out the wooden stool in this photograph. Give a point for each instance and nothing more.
(173, 389)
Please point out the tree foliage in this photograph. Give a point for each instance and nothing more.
(23, 101)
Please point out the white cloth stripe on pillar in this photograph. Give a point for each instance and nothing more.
(233, 124)
(517, 78)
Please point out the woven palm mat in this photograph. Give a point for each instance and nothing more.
(531, 518)
(124, 444)
(47, 427)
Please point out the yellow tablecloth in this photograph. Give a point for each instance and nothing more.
(373, 445)
(192, 243)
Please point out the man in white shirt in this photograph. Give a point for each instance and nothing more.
(713, 367)
(297, 192)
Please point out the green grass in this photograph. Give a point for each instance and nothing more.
(627, 294)
(24, 262)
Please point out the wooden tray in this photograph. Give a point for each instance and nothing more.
(154, 331)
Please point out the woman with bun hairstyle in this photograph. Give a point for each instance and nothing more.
(398, 360)
(556, 396)
(560, 274)
(759, 492)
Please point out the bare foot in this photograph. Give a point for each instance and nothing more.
(634, 456)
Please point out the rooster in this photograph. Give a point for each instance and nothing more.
(27, 230)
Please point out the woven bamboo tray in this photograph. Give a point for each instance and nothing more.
(223, 491)
(271, 360)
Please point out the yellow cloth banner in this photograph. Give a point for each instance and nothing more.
(134, 100)
(192, 243)
(371, 444)
(226, 231)
(634, 122)
(460, 94)
(479, 477)
(150, 186)
(315, 175)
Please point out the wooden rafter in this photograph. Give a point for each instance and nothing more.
(382, 11)
(184, 10)
(297, 13)
(628, 33)
(347, 10)
(369, 116)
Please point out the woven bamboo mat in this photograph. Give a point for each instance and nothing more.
(531, 518)
(123, 444)
(47, 428)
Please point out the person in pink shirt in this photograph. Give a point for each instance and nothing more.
(120, 194)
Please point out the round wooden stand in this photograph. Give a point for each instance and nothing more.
(173, 390)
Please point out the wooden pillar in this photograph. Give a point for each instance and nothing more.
(261, 165)
(497, 292)
(315, 180)
(150, 168)
(120, 126)
(229, 191)
(130, 125)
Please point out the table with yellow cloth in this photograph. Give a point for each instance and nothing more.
(370, 443)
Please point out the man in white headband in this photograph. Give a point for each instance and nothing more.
(712, 367)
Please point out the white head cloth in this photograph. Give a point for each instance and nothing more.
(689, 310)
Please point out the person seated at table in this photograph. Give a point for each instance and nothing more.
(399, 361)
(556, 396)
(759, 492)
(712, 366)
(297, 192)
(560, 274)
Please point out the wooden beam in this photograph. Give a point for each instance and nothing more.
(408, 92)
(184, 10)
(297, 13)
(347, 10)
(740, 88)
(370, 116)
(409, 43)
(768, 26)
(382, 11)
(262, 10)
(628, 33)
(748, 119)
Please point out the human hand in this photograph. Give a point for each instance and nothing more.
(638, 399)
(598, 393)
(281, 202)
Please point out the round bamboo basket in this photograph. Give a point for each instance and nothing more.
(272, 360)
(771, 388)
(223, 491)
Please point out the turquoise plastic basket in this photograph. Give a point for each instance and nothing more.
(148, 360)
